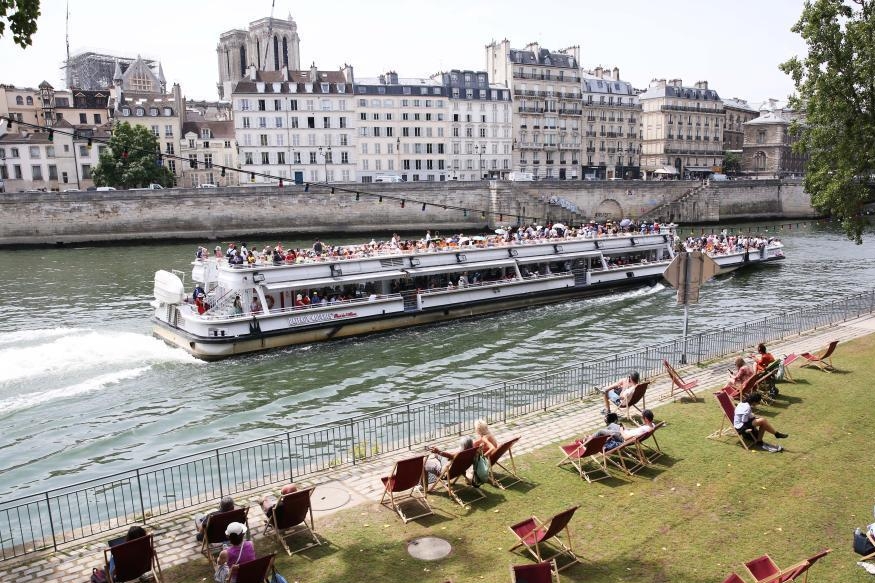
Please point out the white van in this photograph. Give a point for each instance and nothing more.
(105, 188)
(521, 176)
(387, 178)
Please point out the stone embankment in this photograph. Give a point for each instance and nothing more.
(78, 217)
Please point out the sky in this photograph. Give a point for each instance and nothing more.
(736, 46)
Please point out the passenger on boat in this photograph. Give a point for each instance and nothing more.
(435, 463)
(218, 252)
(483, 438)
(238, 306)
(619, 392)
(763, 358)
(225, 505)
(202, 306)
(299, 302)
(254, 305)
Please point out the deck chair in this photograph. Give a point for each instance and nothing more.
(457, 468)
(808, 563)
(763, 569)
(534, 534)
(637, 396)
(727, 420)
(400, 488)
(214, 530)
(733, 578)
(542, 572)
(788, 360)
(132, 559)
(823, 361)
(289, 517)
(256, 570)
(590, 452)
(510, 476)
(647, 452)
(871, 555)
(619, 455)
(676, 381)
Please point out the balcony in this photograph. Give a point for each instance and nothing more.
(612, 150)
(590, 134)
(550, 161)
(530, 109)
(590, 118)
(590, 149)
(614, 135)
(570, 112)
(574, 162)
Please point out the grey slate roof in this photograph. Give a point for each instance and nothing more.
(543, 57)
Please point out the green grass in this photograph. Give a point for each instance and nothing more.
(705, 508)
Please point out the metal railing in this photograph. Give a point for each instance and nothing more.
(60, 516)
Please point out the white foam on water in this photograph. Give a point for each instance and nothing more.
(93, 384)
(85, 350)
(31, 336)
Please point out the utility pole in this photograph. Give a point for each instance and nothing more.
(687, 272)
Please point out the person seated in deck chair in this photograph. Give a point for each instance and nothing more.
(741, 374)
(613, 429)
(268, 503)
(133, 533)
(226, 504)
(238, 551)
(620, 391)
(646, 425)
(483, 438)
(436, 463)
(763, 358)
(745, 420)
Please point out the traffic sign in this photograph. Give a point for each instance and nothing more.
(687, 272)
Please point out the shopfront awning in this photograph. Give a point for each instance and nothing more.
(666, 170)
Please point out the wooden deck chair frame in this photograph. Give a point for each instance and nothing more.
(591, 451)
(649, 453)
(823, 360)
(256, 570)
(871, 555)
(510, 476)
(622, 453)
(143, 551)
(733, 578)
(456, 469)
(544, 572)
(727, 420)
(215, 524)
(737, 395)
(789, 359)
(400, 487)
(639, 395)
(806, 565)
(763, 569)
(679, 383)
(289, 517)
(532, 533)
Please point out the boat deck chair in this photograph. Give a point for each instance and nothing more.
(132, 560)
(289, 517)
(823, 360)
(400, 489)
(582, 454)
(256, 570)
(457, 468)
(727, 420)
(214, 530)
(535, 535)
(510, 476)
(543, 572)
(637, 396)
(679, 383)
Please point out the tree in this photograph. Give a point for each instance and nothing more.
(731, 162)
(21, 16)
(131, 160)
(836, 92)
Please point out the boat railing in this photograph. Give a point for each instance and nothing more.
(495, 282)
(247, 314)
(56, 517)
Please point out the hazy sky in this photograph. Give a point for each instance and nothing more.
(735, 45)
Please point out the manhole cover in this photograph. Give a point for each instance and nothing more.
(329, 498)
(429, 548)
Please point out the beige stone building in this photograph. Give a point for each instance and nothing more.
(682, 129)
(210, 147)
(768, 147)
(21, 104)
(737, 113)
(547, 110)
(611, 118)
(269, 44)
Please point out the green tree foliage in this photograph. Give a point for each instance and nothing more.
(836, 92)
(131, 160)
(731, 162)
(21, 17)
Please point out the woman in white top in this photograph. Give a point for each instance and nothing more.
(745, 420)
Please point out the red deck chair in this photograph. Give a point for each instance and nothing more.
(733, 578)
(510, 476)
(132, 559)
(532, 533)
(289, 517)
(542, 572)
(457, 468)
(400, 488)
(748, 387)
(809, 562)
(677, 381)
(580, 454)
(788, 360)
(646, 452)
(763, 569)
(823, 361)
(637, 396)
(727, 420)
(214, 530)
(256, 570)
(626, 451)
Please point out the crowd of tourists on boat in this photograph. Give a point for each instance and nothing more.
(723, 243)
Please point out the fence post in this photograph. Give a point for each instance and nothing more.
(504, 401)
(352, 437)
(51, 522)
(219, 473)
(409, 430)
(699, 351)
(289, 446)
(140, 490)
(459, 412)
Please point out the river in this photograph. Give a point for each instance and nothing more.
(86, 391)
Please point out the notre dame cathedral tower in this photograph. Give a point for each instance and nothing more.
(270, 44)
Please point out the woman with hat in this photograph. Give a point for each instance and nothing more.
(240, 551)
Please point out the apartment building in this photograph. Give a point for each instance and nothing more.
(737, 113)
(768, 145)
(611, 135)
(547, 109)
(682, 129)
(295, 125)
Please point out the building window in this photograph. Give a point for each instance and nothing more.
(139, 82)
(34, 152)
(247, 158)
(759, 161)
(265, 157)
(262, 138)
(86, 171)
(36, 172)
(168, 131)
(83, 118)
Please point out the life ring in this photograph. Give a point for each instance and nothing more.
(270, 302)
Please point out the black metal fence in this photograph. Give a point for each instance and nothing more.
(60, 516)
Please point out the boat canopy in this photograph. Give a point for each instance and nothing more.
(562, 257)
(331, 281)
(418, 271)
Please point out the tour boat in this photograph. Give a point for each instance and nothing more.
(385, 290)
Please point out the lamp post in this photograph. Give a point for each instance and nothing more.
(326, 153)
(479, 150)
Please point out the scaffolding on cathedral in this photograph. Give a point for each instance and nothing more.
(93, 71)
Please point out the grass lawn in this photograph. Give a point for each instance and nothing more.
(696, 515)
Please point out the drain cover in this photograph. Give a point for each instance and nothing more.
(329, 498)
(429, 548)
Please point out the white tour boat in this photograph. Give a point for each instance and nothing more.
(386, 290)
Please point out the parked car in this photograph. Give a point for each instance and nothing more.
(520, 176)
(207, 185)
(387, 178)
(105, 188)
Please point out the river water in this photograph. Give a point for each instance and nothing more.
(86, 391)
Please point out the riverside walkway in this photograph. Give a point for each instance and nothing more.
(343, 488)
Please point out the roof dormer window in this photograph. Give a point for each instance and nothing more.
(140, 112)
(323, 87)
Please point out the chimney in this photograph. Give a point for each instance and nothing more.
(616, 76)
(314, 73)
(701, 85)
(658, 83)
(598, 72)
(534, 47)
(676, 83)
(382, 79)
(392, 77)
(250, 72)
(347, 73)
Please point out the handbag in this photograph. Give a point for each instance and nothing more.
(223, 572)
(481, 469)
(862, 545)
(277, 578)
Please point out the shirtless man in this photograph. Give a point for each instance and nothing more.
(620, 391)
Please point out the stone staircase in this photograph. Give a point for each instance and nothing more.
(699, 203)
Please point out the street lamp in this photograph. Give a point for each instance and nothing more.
(480, 150)
(326, 154)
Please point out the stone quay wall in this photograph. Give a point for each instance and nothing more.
(209, 214)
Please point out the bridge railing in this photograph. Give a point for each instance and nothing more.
(59, 516)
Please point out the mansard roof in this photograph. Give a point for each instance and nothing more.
(542, 57)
